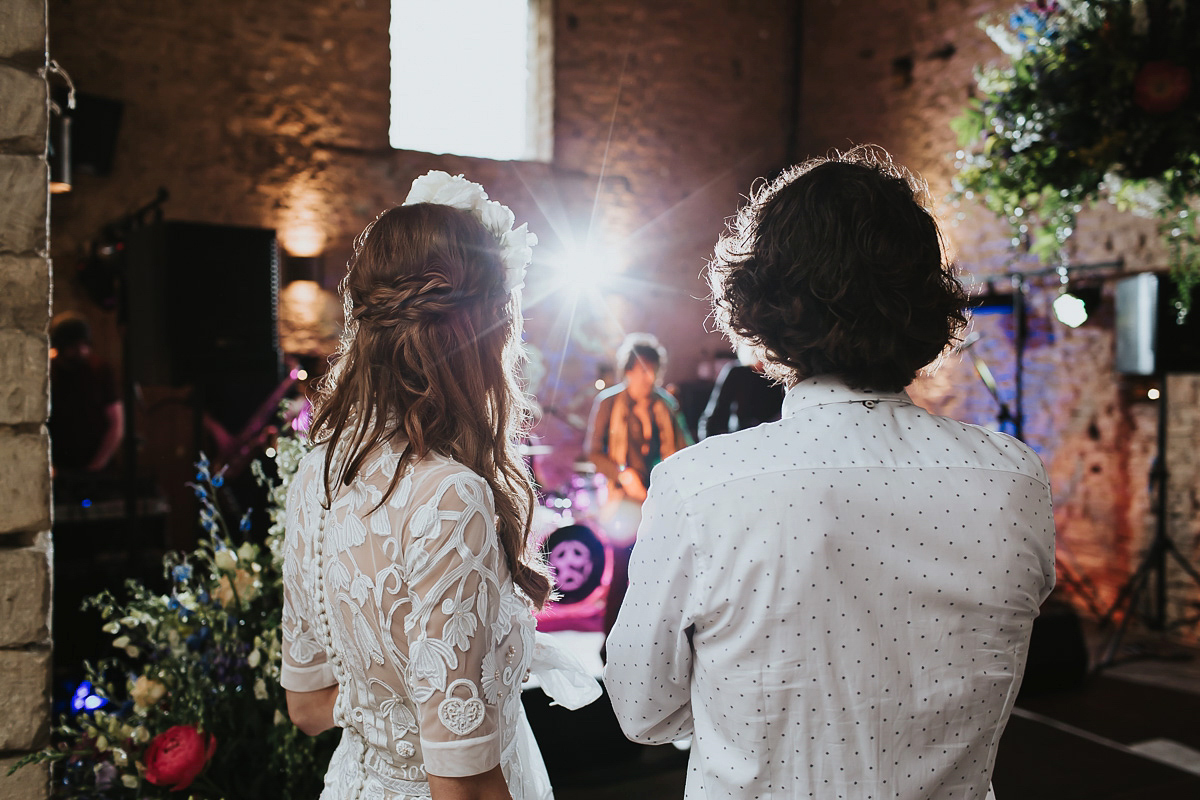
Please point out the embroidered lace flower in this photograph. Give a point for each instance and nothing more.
(516, 244)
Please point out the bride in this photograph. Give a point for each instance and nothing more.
(409, 578)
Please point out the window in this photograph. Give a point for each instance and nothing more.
(472, 77)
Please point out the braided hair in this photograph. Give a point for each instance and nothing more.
(431, 353)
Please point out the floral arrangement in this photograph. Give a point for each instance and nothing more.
(191, 701)
(516, 244)
(1101, 100)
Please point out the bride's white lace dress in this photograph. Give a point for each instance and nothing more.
(411, 610)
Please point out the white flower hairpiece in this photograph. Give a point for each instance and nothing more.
(516, 244)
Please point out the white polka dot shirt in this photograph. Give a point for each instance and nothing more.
(835, 605)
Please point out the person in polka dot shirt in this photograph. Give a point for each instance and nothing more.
(837, 604)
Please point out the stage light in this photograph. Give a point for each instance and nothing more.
(1074, 306)
(1070, 310)
(591, 267)
(82, 698)
(600, 384)
(1153, 394)
(269, 452)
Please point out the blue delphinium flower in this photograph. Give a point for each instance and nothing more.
(244, 525)
(182, 573)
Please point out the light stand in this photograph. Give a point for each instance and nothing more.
(1153, 567)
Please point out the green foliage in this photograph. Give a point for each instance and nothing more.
(205, 655)
(1100, 101)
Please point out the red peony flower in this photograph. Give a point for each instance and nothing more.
(1161, 86)
(177, 755)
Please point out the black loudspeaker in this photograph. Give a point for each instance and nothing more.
(1151, 340)
(1058, 656)
(202, 303)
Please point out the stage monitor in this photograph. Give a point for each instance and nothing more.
(203, 303)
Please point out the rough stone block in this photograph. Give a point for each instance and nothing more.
(24, 395)
(31, 782)
(23, 123)
(24, 293)
(24, 204)
(24, 481)
(24, 28)
(24, 596)
(25, 701)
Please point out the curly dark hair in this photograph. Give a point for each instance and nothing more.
(837, 267)
(641, 347)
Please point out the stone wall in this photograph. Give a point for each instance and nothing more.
(897, 80)
(24, 445)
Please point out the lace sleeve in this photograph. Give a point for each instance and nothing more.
(454, 562)
(305, 668)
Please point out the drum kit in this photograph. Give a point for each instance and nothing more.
(569, 526)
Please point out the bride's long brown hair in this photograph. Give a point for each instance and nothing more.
(431, 353)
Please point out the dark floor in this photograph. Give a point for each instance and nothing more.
(1130, 731)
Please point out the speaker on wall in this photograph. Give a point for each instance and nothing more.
(202, 305)
(1151, 339)
(91, 127)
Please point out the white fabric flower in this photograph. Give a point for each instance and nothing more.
(497, 217)
(429, 660)
(491, 678)
(460, 623)
(516, 250)
(424, 521)
(445, 189)
(516, 245)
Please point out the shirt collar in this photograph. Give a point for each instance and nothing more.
(826, 389)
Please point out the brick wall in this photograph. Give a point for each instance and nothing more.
(276, 114)
(897, 81)
(24, 445)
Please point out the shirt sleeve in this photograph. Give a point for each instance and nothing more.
(649, 671)
(454, 562)
(305, 665)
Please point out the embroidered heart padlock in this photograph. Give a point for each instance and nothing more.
(458, 715)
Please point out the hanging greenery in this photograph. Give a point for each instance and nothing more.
(1100, 101)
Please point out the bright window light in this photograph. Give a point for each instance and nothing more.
(460, 77)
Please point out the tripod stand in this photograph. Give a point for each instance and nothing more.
(1153, 567)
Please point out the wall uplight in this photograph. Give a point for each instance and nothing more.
(302, 239)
